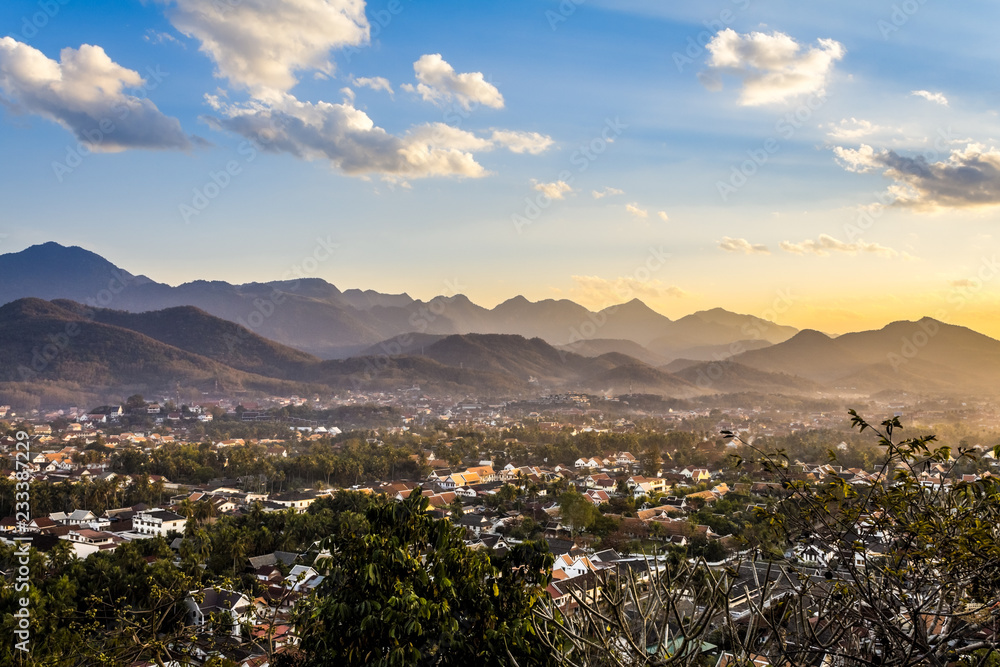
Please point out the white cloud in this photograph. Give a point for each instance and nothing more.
(606, 192)
(522, 142)
(557, 190)
(859, 160)
(373, 82)
(937, 98)
(259, 45)
(439, 84)
(596, 292)
(157, 37)
(968, 178)
(742, 245)
(852, 129)
(85, 93)
(773, 67)
(663, 216)
(349, 139)
(635, 210)
(826, 245)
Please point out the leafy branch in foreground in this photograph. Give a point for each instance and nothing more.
(897, 567)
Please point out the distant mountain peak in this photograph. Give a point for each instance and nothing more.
(518, 300)
(809, 335)
(634, 307)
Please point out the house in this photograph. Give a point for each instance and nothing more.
(467, 478)
(42, 524)
(86, 541)
(439, 500)
(570, 567)
(650, 484)
(297, 500)
(597, 496)
(75, 518)
(105, 413)
(302, 578)
(595, 480)
(474, 523)
(811, 554)
(157, 522)
(224, 609)
(625, 459)
(485, 473)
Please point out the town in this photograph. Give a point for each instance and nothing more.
(605, 483)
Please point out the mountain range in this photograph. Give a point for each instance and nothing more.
(316, 317)
(58, 341)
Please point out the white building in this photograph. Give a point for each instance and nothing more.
(157, 522)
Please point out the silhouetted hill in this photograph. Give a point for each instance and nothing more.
(716, 331)
(50, 271)
(363, 300)
(194, 330)
(42, 342)
(380, 373)
(510, 354)
(117, 352)
(407, 343)
(598, 346)
(638, 377)
(809, 354)
(923, 357)
(633, 320)
(726, 377)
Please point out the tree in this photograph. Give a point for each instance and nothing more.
(913, 603)
(401, 588)
(576, 510)
(913, 571)
(651, 460)
(134, 402)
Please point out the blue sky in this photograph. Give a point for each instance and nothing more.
(828, 165)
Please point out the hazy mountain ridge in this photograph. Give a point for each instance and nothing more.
(318, 318)
(922, 357)
(470, 346)
(114, 351)
(45, 342)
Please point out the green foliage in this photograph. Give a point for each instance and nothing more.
(403, 589)
(111, 608)
(576, 510)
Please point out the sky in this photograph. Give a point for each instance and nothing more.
(827, 165)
